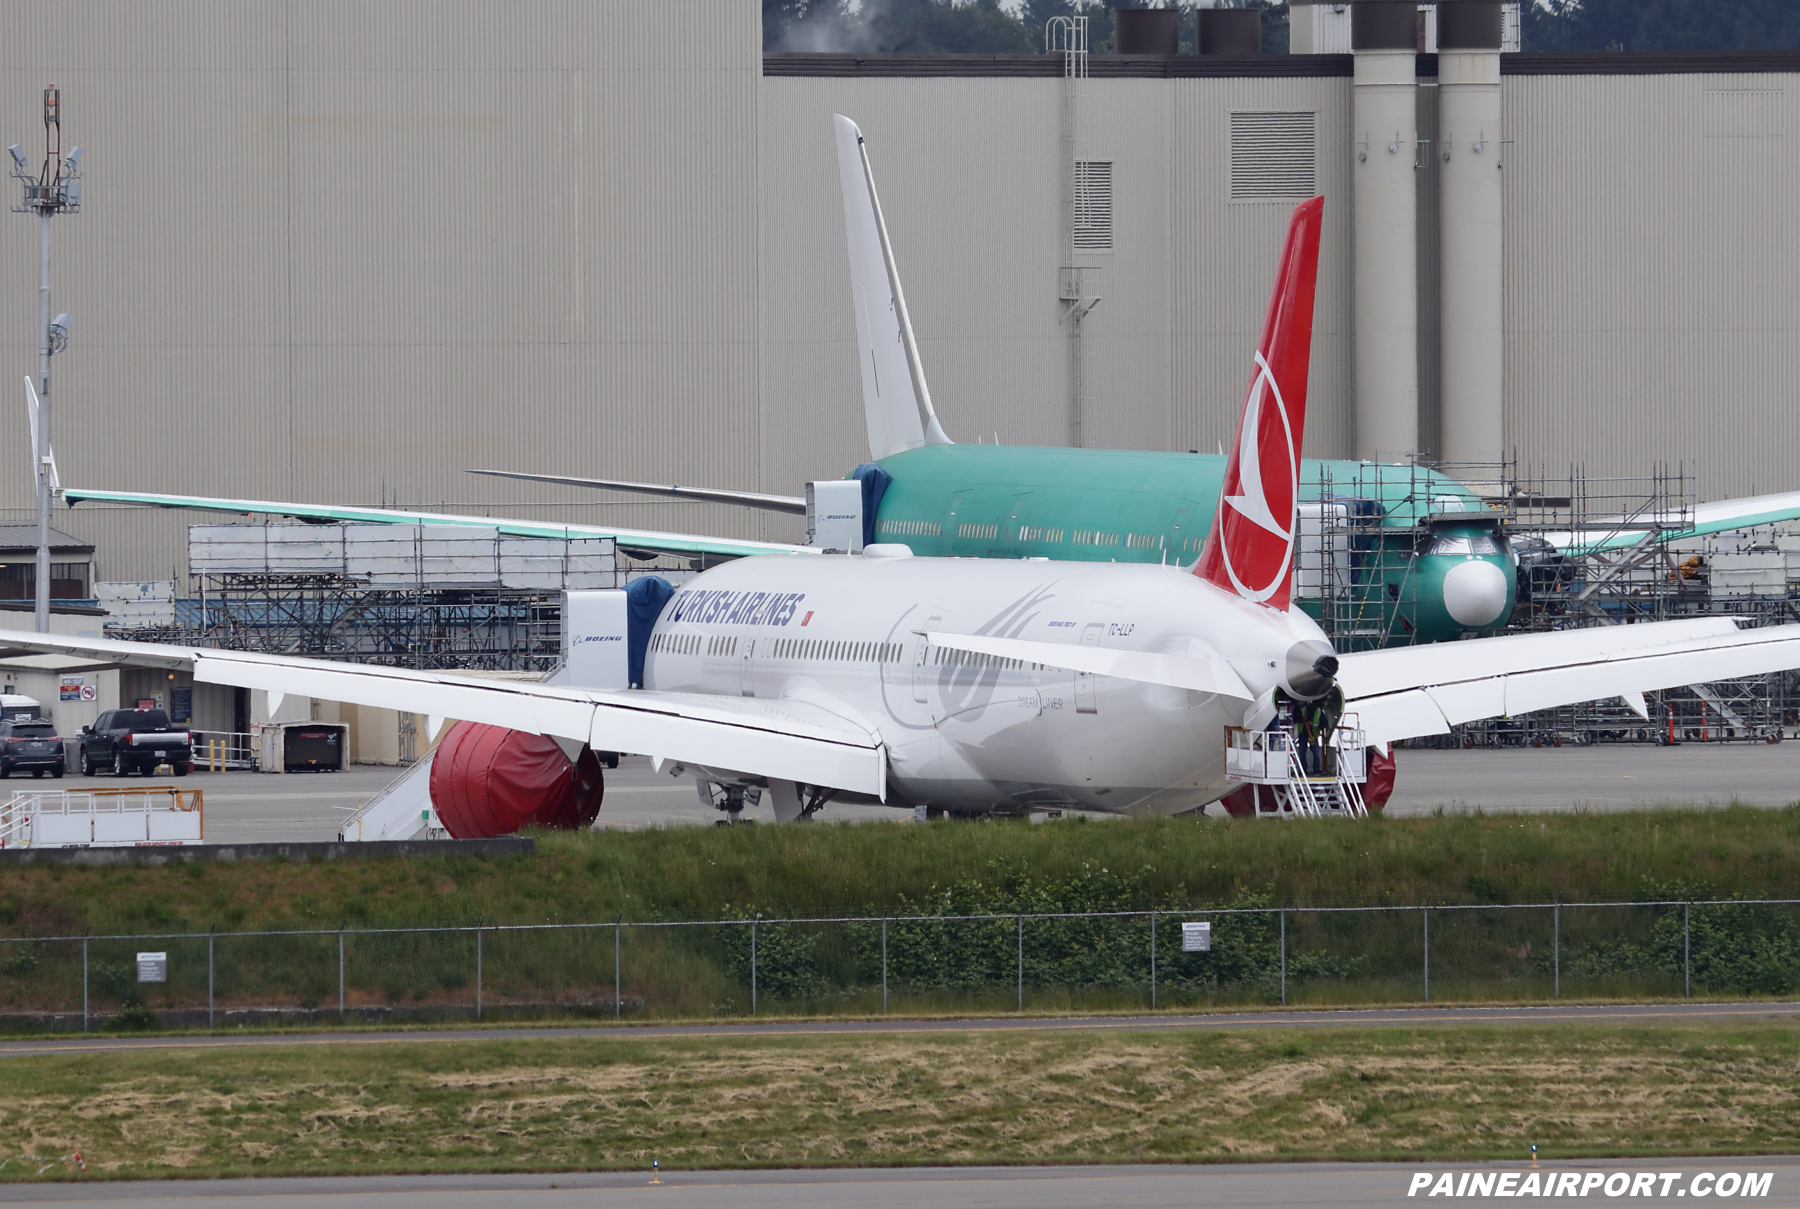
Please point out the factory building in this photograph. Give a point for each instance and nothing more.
(345, 252)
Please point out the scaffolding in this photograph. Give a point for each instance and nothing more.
(1589, 551)
(414, 596)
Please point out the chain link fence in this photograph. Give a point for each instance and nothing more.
(748, 966)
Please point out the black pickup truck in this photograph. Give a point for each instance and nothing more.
(134, 739)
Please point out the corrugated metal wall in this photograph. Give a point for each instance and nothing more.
(333, 250)
(329, 247)
(1653, 275)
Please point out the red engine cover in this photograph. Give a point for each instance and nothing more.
(1380, 785)
(488, 781)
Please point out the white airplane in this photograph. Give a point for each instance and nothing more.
(1006, 685)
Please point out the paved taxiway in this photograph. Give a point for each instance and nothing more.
(1123, 1187)
(244, 807)
(1344, 1018)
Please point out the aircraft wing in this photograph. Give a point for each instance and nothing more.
(1411, 691)
(674, 543)
(712, 495)
(788, 740)
(1720, 516)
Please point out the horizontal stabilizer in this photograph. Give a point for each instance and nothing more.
(1173, 671)
(712, 495)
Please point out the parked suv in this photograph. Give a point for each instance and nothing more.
(140, 739)
(32, 746)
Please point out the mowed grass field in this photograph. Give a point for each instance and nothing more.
(1435, 1092)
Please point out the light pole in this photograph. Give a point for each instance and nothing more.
(55, 190)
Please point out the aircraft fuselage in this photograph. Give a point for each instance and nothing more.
(1144, 506)
(973, 733)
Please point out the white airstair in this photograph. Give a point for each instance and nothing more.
(1273, 758)
(103, 818)
(402, 811)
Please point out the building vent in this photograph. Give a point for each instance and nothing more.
(1093, 230)
(1273, 156)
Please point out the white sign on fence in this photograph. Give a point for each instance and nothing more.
(1196, 938)
(153, 967)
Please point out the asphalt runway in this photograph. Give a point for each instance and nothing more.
(1350, 1018)
(1122, 1187)
(243, 807)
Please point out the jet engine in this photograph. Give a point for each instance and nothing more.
(489, 780)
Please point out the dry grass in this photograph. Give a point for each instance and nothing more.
(1431, 1092)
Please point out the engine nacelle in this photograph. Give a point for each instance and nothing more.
(489, 780)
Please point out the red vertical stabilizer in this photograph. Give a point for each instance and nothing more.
(1250, 550)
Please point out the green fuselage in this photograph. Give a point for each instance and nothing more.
(1408, 527)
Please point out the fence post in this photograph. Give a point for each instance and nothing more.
(1556, 945)
(616, 1008)
(1021, 963)
(1425, 914)
(1283, 916)
(209, 978)
(478, 924)
(884, 1006)
(1153, 961)
(1687, 964)
(340, 973)
(84, 984)
(753, 967)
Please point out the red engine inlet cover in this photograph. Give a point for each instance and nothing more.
(488, 781)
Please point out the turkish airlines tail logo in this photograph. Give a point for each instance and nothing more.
(1250, 550)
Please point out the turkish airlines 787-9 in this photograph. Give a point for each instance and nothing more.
(1005, 685)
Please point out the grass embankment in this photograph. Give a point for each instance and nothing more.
(1299, 956)
(705, 872)
(1400, 1094)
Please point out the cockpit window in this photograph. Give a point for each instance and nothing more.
(1446, 543)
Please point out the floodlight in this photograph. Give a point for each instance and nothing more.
(59, 331)
(18, 156)
(73, 158)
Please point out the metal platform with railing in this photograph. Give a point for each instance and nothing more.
(103, 818)
(1277, 759)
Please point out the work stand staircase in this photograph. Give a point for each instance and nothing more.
(1272, 758)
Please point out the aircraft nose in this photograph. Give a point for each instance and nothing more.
(1475, 592)
(1310, 668)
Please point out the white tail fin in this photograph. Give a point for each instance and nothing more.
(896, 400)
(31, 411)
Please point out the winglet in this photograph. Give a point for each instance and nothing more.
(1250, 550)
(896, 399)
